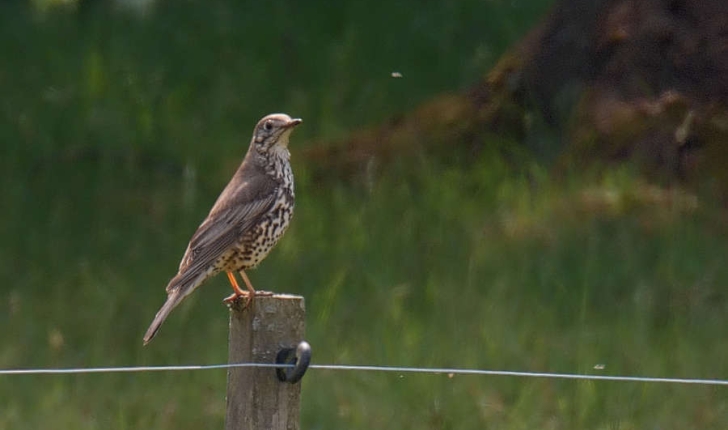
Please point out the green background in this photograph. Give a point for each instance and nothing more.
(119, 127)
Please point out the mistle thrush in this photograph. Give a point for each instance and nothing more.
(251, 214)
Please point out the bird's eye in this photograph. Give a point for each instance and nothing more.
(268, 125)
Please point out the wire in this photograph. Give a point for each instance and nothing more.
(395, 369)
(122, 369)
(523, 374)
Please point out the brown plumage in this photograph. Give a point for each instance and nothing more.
(251, 214)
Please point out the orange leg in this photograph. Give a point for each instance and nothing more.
(252, 290)
(237, 291)
(247, 282)
(234, 284)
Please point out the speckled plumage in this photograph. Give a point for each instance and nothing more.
(246, 221)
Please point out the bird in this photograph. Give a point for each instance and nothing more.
(247, 220)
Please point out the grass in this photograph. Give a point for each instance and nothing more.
(115, 154)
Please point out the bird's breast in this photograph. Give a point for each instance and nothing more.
(262, 237)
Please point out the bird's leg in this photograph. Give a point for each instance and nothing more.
(247, 282)
(238, 292)
(252, 290)
(236, 287)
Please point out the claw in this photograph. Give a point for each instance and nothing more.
(234, 297)
(238, 292)
(248, 295)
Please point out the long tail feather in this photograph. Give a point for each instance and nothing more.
(173, 299)
(179, 288)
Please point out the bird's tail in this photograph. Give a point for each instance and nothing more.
(179, 288)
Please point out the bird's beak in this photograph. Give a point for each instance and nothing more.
(294, 122)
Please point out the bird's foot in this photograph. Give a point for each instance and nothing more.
(245, 299)
(235, 298)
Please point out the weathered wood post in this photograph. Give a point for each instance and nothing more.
(256, 399)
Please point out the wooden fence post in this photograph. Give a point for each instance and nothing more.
(256, 399)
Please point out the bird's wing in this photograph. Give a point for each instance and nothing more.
(221, 229)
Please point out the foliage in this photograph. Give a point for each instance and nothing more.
(120, 131)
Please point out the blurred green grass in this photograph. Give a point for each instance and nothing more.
(120, 131)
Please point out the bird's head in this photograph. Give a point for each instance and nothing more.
(274, 131)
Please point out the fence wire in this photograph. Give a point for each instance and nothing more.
(364, 368)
